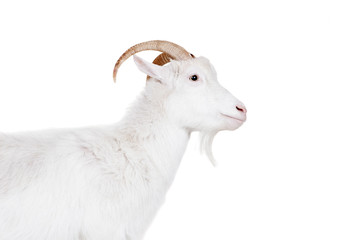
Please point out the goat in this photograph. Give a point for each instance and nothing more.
(108, 182)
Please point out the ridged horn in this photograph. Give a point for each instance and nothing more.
(162, 59)
(170, 50)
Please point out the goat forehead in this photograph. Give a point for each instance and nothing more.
(200, 63)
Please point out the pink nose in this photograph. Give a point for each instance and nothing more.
(241, 109)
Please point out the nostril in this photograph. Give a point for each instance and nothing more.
(241, 109)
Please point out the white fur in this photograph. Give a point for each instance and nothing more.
(108, 182)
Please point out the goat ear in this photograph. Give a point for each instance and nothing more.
(153, 70)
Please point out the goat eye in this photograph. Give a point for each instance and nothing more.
(194, 77)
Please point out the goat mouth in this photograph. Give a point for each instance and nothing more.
(235, 118)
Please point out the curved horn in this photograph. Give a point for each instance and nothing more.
(172, 50)
(162, 59)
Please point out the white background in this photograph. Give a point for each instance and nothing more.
(290, 172)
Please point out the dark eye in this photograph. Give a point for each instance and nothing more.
(194, 77)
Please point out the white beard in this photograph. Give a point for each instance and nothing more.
(206, 140)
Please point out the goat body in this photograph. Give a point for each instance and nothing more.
(95, 183)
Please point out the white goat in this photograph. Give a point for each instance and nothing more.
(106, 183)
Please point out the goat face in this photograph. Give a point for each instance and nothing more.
(194, 98)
